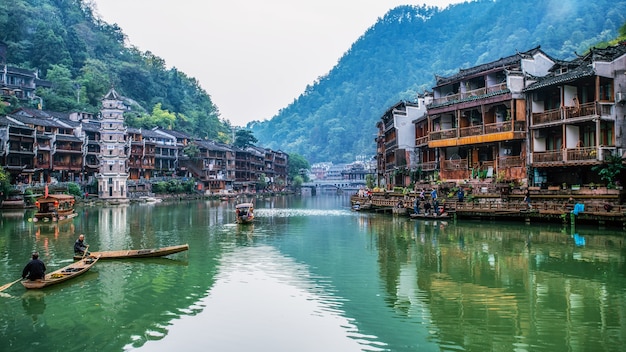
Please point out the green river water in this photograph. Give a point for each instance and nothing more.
(310, 275)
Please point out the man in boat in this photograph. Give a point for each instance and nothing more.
(35, 269)
(80, 246)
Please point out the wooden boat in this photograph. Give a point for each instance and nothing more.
(244, 213)
(358, 206)
(431, 216)
(55, 207)
(60, 275)
(17, 201)
(139, 253)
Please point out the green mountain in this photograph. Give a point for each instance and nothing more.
(335, 118)
(84, 57)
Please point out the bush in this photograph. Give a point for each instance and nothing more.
(74, 189)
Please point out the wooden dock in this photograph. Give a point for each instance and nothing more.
(544, 209)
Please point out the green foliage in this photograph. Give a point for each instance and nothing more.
(262, 184)
(84, 57)
(610, 169)
(370, 181)
(335, 118)
(297, 181)
(297, 165)
(174, 187)
(244, 138)
(74, 189)
(5, 183)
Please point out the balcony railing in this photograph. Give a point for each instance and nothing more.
(455, 164)
(421, 140)
(471, 93)
(564, 113)
(428, 165)
(510, 161)
(547, 156)
(471, 131)
(581, 154)
(572, 155)
(444, 134)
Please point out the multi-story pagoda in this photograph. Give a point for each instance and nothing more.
(112, 176)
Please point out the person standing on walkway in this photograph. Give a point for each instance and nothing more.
(416, 205)
(527, 199)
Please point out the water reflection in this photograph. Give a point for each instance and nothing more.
(34, 305)
(514, 287)
(262, 300)
(310, 268)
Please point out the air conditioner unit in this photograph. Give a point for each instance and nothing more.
(620, 97)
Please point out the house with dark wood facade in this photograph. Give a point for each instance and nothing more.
(477, 119)
(577, 117)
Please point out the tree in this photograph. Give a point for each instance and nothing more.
(5, 183)
(244, 138)
(610, 169)
(298, 166)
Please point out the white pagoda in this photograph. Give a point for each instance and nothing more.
(113, 152)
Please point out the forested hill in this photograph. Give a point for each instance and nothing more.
(399, 56)
(83, 57)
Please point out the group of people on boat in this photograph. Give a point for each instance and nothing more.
(431, 206)
(35, 269)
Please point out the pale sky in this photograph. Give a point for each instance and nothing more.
(253, 57)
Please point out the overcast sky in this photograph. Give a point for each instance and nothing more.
(253, 57)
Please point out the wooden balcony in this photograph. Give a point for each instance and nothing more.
(567, 157)
(474, 93)
(582, 111)
(419, 141)
(456, 164)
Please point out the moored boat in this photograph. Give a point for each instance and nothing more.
(65, 273)
(139, 253)
(441, 216)
(244, 213)
(55, 207)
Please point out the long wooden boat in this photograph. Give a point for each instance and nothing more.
(55, 207)
(430, 216)
(60, 275)
(244, 213)
(139, 253)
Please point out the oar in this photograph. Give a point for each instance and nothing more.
(5, 286)
(85, 252)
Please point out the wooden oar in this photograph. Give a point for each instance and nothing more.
(85, 252)
(5, 286)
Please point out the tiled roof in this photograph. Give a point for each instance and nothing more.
(66, 137)
(37, 121)
(503, 62)
(555, 78)
(578, 68)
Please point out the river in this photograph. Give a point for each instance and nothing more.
(311, 275)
